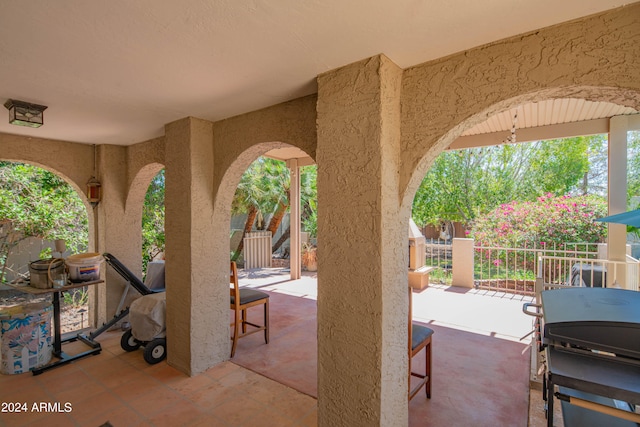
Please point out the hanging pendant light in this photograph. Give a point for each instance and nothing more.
(511, 139)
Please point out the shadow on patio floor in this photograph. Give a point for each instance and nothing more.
(480, 370)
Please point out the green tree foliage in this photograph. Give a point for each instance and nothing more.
(153, 242)
(264, 191)
(633, 170)
(465, 183)
(37, 203)
(309, 199)
(548, 220)
(595, 180)
(262, 188)
(633, 176)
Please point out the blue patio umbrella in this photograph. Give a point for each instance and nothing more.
(631, 218)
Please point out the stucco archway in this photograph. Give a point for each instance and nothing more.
(231, 178)
(76, 187)
(427, 158)
(429, 155)
(595, 59)
(53, 156)
(139, 186)
(224, 195)
(128, 249)
(135, 201)
(42, 161)
(87, 212)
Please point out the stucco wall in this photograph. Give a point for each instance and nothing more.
(596, 58)
(240, 140)
(71, 161)
(125, 173)
(371, 142)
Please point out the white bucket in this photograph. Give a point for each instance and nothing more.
(84, 267)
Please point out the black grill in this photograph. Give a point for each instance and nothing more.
(592, 343)
(593, 319)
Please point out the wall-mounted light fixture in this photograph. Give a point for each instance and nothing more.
(25, 114)
(94, 188)
(94, 191)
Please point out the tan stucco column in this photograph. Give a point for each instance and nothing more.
(363, 248)
(197, 307)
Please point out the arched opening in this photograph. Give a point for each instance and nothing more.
(145, 242)
(261, 210)
(153, 219)
(145, 203)
(292, 301)
(42, 216)
(455, 140)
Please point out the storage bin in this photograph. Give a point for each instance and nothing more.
(43, 271)
(84, 267)
(25, 337)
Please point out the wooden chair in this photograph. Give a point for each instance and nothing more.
(241, 300)
(419, 338)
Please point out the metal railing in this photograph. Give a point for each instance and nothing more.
(633, 273)
(558, 272)
(439, 254)
(513, 269)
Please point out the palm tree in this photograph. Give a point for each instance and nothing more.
(279, 185)
(308, 201)
(265, 188)
(247, 200)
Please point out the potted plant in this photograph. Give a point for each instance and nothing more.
(309, 257)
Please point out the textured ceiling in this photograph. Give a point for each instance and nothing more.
(116, 72)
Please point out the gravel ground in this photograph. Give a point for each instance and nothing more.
(72, 317)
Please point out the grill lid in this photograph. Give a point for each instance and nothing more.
(594, 318)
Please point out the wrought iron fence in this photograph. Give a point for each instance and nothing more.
(514, 269)
(439, 254)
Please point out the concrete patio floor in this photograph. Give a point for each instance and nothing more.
(480, 370)
(481, 367)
